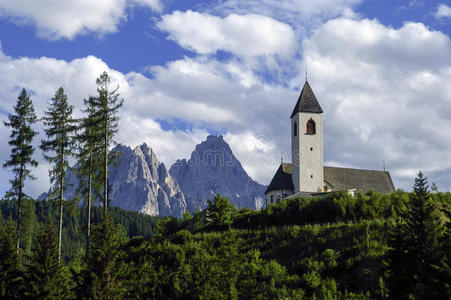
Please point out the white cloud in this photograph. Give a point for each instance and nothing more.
(385, 94)
(300, 14)
(67, 19)
(244, 35)
(202, 93)
(443, 11)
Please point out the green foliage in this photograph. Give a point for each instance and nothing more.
(416, 245)
(60, 131)
(334, 207)
(89, 163)
(29, 226)
(21, 158)
(106, 269)
(46, 277)
(220, 213)
(103, 117)
(347, 254)
(11, 276)
(74, 224)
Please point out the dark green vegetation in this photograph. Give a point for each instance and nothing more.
(340, 247)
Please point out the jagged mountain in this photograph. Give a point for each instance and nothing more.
(139, 183)
(212, 169)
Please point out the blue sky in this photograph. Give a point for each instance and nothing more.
(381, 70)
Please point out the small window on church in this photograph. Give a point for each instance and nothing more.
(311, 127)
(311, 148)
(311, 176)
(272, 199)
(295, 129)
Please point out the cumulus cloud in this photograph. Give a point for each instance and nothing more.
(443, 11)
(221, 103)
(299, 13)
(385, 93)
(67, 19)
(245, 35)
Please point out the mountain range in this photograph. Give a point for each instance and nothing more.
(139, 182)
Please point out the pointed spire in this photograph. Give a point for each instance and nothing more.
(307, 102)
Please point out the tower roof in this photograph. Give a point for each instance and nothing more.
(282, 179)
(307, 102)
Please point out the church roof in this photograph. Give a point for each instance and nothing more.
(361, 180)
(307, 102)
(339, 178)
(282, 179)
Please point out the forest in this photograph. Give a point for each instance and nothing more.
(338, 246)
(373, 246)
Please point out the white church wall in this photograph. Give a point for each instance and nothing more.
(307, 154)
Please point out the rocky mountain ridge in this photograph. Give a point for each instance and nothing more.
(139, 182)
(212, 169)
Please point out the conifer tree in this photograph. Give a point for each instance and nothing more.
(11, 276)
(415, 246)
(21, 158)
(107, 269)
(45, 274)
(88, 164)
(106, 106)
(60, 132)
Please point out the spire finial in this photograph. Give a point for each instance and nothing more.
(306, 73)
(281, 157)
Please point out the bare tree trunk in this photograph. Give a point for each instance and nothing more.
(105, 188)
(19, 209)
(88, 221)
(60, 229)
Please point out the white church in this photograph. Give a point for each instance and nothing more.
(307, 176)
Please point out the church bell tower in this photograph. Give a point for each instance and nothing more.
(307, 143)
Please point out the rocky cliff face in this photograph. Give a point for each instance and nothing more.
(139, 183)
(212, 169)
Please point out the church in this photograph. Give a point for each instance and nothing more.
(307, 176)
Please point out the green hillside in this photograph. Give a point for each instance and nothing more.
(337, 247)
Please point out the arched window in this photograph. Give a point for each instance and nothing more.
(295, 129)
(311, 127)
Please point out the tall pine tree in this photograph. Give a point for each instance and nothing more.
(21, 158)
(60, 131)
(415, 247)
(105, 108)
(88, 162)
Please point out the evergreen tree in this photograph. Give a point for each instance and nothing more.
(105, 108)
(21, 158)
(46, 276)
(60, 132)
(88, 165)
(107, 270)
(415, 246)
(11, 277)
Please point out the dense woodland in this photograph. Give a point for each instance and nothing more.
(339, 247)
(395, 246)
